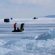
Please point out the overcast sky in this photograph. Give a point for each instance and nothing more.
(26, 8)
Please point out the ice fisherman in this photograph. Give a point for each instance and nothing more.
(16, 29)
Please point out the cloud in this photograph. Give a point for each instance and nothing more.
(30, 1)
(34, 2)
(26, 8)
(42, 3)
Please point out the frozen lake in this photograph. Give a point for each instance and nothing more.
(27, 47)
(36, 39)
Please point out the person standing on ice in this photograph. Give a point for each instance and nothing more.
(16, 29)
(14, 26)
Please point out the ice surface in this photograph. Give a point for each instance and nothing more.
(47, 35)
(15, 46)
(37, 39)
(27, 47)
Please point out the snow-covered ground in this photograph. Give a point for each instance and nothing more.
(27, 47)
(38, 37)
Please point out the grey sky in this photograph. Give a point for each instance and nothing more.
(26, 8)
